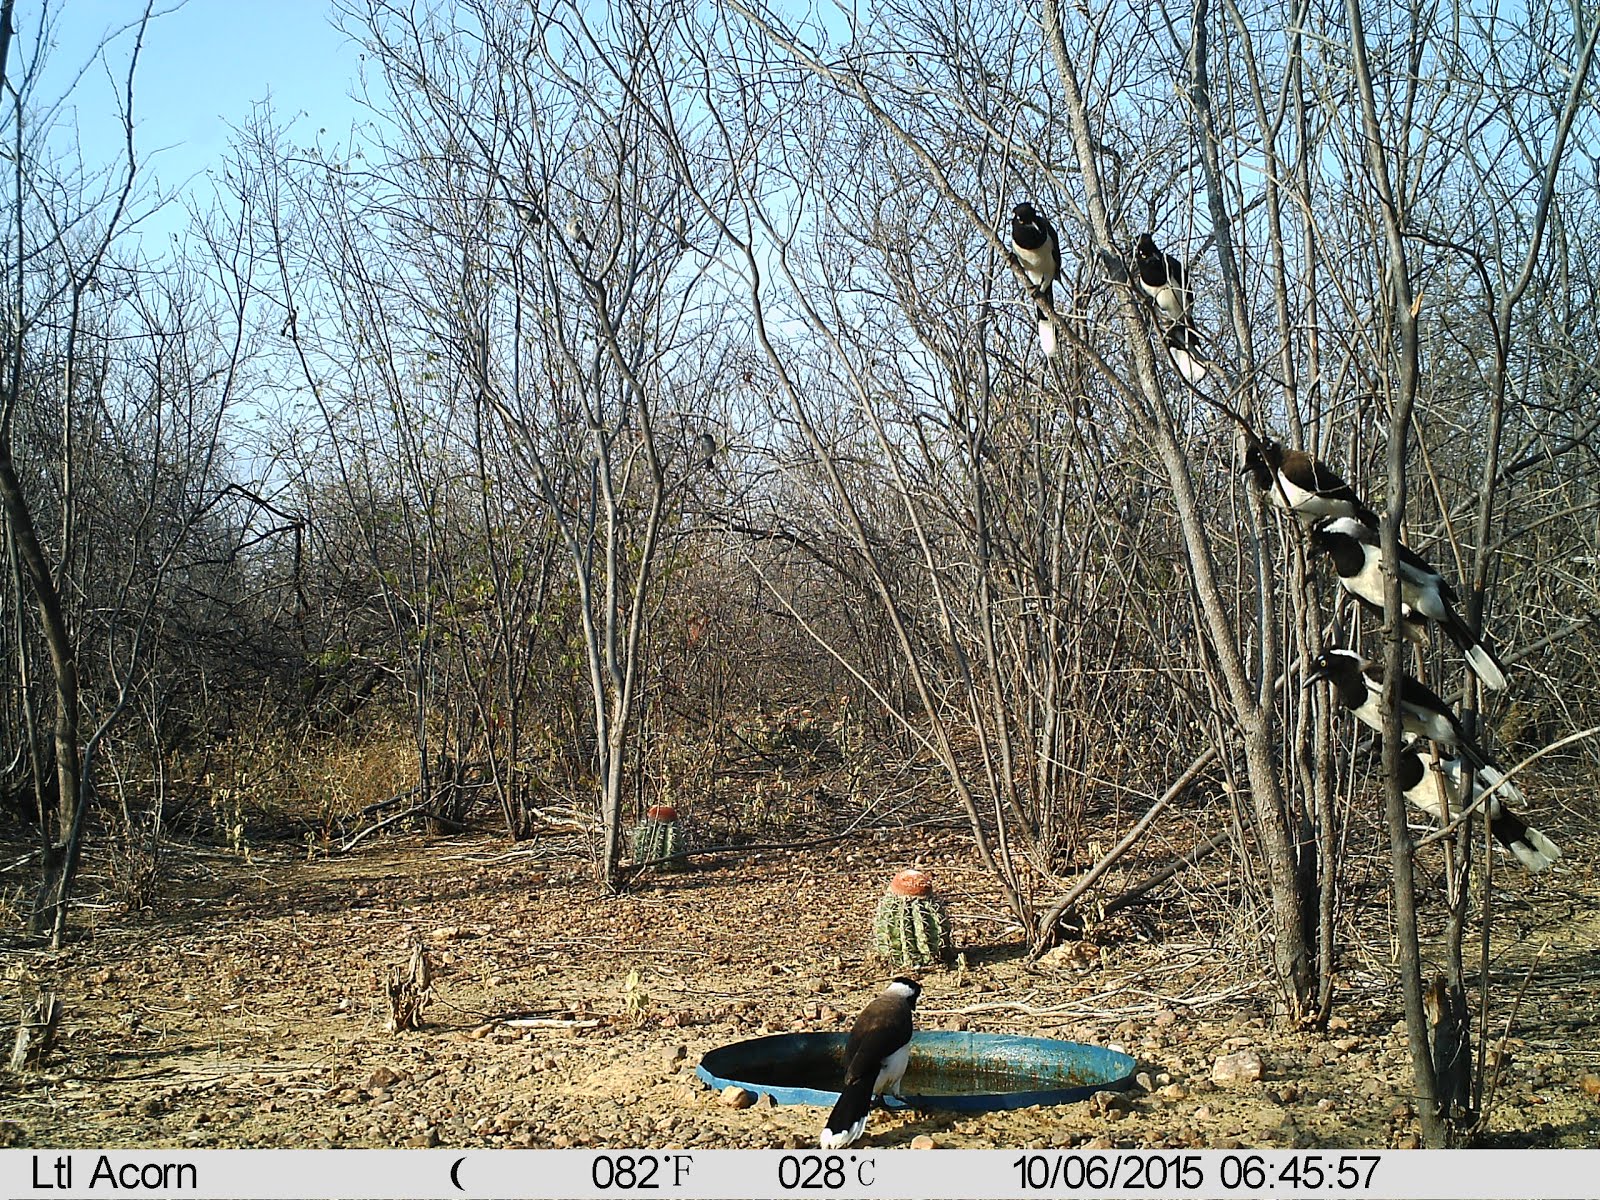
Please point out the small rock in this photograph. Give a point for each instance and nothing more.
(1410, 1142)
(765, 1100)
(734, 1096)
(1326, 1104)
(673, 1055)
(1116, 1114)
(923, 1142)
(1203, 1113)
(382, 1077)
(1106, 1103)
(1402, 1112)
(1144, 1081)
(425, 1140)
(1288, 1094)
(1240, 1067)
(1102, 1142)
(1346, 1044)
(1164, 1018)
(1338, 1025)
(1174, 1091)
(1590, 1083)
(347, 1096)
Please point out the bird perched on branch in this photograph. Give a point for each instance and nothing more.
(1300, 484)
(875, 1060)
(1034, 242)
(705, 449)
(1160, 277)
(1358, 559)
(1359, 687)
(1423, 784)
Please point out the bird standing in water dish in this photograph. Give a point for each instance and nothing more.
(875, 1058)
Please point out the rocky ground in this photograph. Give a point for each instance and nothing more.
(248, 1008)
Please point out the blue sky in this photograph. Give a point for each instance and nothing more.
(204, 64)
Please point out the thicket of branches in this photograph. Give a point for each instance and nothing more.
(630, 375)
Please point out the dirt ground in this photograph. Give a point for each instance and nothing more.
(247, 1009)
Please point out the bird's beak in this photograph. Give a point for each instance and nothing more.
(1318, 671)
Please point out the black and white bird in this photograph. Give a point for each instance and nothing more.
(1034, 242)
(1160, 277)
(1359, 686)
(1303, 485)
(1183, 348)
(705, 448)
(1353, 547)
(1423, 784)
(875, 1060)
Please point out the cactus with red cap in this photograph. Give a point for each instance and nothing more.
(911, 927)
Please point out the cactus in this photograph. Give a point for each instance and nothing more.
(911, 928)
(658, 839)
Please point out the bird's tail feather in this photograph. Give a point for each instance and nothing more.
(1532, 849)
(1479, 657)
(1047, 336)
(1486, 666)
(848, 1120)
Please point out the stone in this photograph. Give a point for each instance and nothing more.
(1174, 1091)
(1239, 1068)
(923, 1142)
(381, 1078)
(734, 1096)
(1590, 1083)
(1144, 1081)
(673, 1055)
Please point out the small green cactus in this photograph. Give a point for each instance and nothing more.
(911, 928)
(658, 839)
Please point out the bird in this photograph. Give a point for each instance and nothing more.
(1357, 557)
(1300, 484)
(875, 1060)
(1359, 686)
(705, 449)
(1183, 348)
(1034, 242)
(1160, 277)
(1423, 782)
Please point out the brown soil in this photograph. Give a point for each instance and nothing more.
(248, 1010)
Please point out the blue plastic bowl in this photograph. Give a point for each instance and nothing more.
(960, 1072)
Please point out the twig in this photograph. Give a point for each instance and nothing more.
(351, 843)
(1137, 893)
(1500, 1050)
(1048, 924)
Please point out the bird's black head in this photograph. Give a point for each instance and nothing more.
(1023, 214)
(1256, 465)
(907, 987)
(1336, 665)
(1144, 247)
